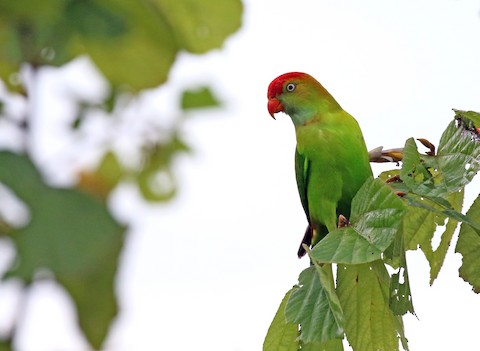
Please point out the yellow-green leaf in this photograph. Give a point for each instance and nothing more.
(363, 292)
(436, 257)
(200, 26)
(281, 335)
(468, 246)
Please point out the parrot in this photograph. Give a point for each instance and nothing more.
(331, 157)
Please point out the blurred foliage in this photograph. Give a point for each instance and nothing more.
(199, 98)
(5, 345)
(70, 232)
(133, 43)
(401, 210)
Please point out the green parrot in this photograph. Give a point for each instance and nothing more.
(331, 158)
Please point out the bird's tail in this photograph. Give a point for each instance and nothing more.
(307, 240)
(311, 238)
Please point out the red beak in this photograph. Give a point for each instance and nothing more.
(274, 106)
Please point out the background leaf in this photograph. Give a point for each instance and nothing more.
(120, 36)
(5, 345)
(104, 179)
(201, 26)
(155, 180)
(71, 234)
(198, 98)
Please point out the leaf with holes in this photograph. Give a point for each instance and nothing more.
(454, 166)
(468, 246)
(436, 257)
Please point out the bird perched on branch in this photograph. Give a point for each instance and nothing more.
(331, 159)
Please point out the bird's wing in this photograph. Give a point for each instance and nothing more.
(302, 164)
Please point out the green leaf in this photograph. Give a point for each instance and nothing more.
(199, 98)
(326, 280)
(440, 206)
(418, 227)
(72, 235)
(330, 345)
(458, 156)
(394, 255)
(470, 115)
(376, 215)
(281, 335)
(437, 257)
(309, 306)
(345, 246)
(455, 165)
(415, 174)
(401, 332)
(369, 322)
(92, 19)
(400, 293)
(468, 246)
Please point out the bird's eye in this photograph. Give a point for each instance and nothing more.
(290, 87)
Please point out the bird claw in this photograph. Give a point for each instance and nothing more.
(379, 155)
(393, 179)
(343, 221)
(428, 145)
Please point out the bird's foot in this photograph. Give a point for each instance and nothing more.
(393, 179)
(428, 145)
(343, 221)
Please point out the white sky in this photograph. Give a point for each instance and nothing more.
(208, 270)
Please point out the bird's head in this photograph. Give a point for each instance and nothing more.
(296, 91)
